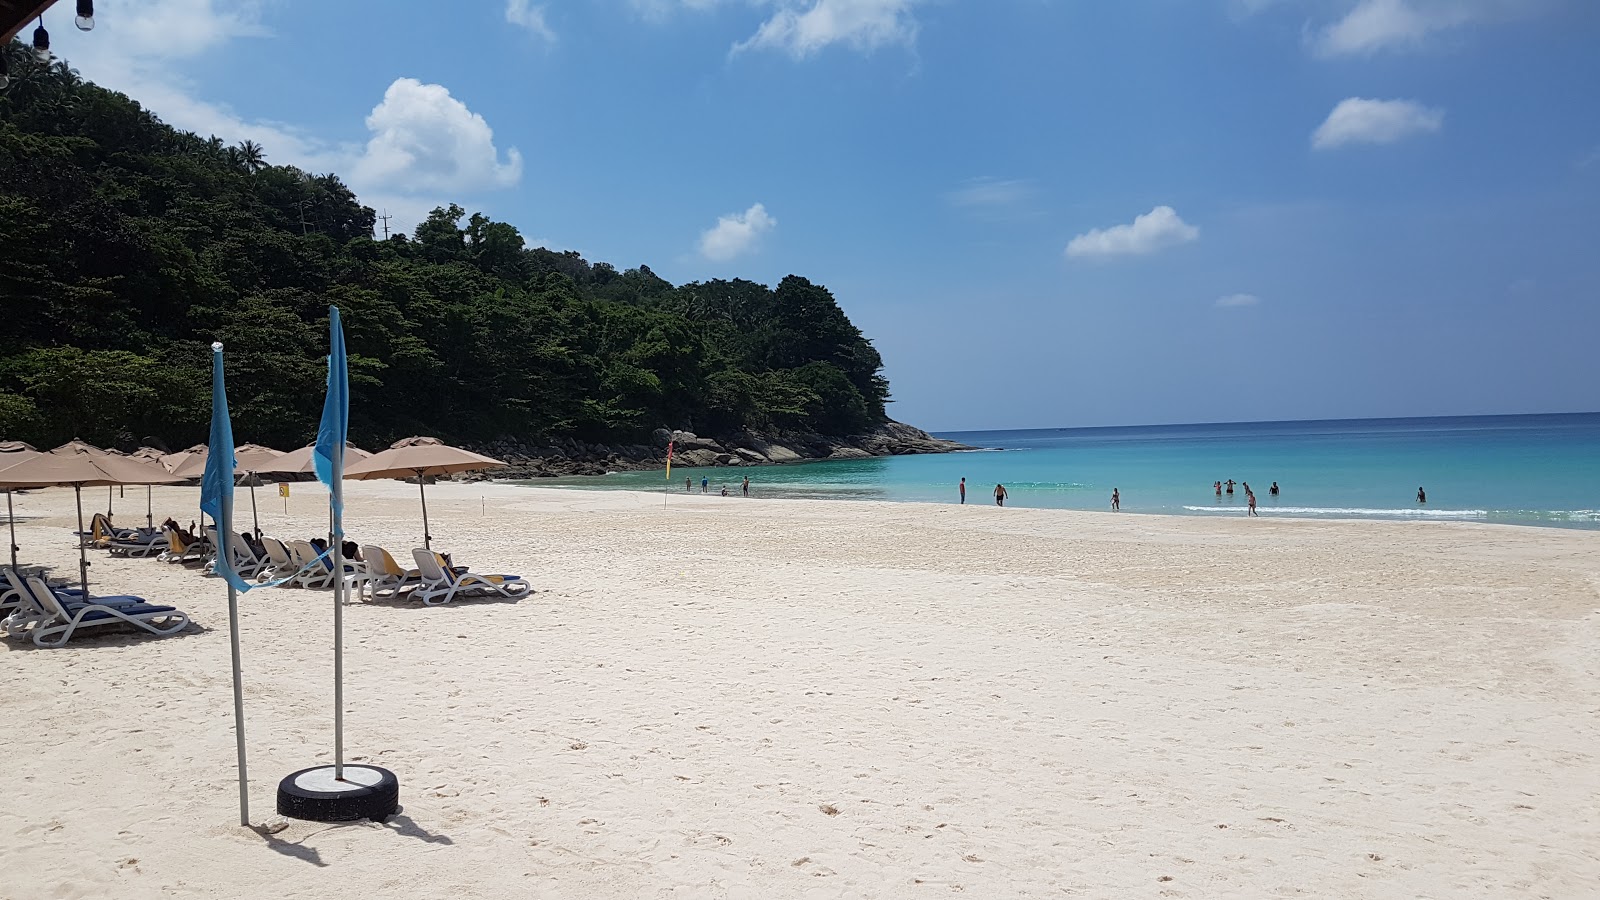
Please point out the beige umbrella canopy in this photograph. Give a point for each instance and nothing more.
(78, 465)
(148, 455)
(173, 460)
(298, 462)
(247, 459)
(419, 457)
(11, 453)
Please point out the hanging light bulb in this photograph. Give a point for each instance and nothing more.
(85, 20)
(41, 42)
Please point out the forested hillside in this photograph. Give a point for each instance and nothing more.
(127, 247)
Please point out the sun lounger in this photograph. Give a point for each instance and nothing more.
(441, 583)
(65, 620)
(245, 561)
(26, 612)
(279, 563)
(316, 571)
(138, 544)
(384, 576)
(177, 551)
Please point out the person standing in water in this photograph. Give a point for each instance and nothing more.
(688, 486)
(1000, 495)
(1230, 487)
(1422, 495)
(705, 484)
(1218, 486)
(746, 486)
(1273, 490)
(963, 492)
(1116, 500)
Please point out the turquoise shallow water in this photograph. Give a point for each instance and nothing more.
(1533, 470)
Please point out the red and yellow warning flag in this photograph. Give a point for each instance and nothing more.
(669, 459)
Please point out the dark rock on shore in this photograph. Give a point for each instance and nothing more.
(745, 448)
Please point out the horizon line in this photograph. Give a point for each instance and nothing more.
(1267, 422)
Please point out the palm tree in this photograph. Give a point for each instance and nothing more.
(255, 158)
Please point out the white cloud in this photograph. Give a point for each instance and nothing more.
(1237, 300)
(1374, 25)
(424, 147)
(1357, 120)
(524, 13)
(1155, 230)
(803, 30)
(424, 139)
(736, 233)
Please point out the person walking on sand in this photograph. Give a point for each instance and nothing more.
(963, 492)
(1000, 495)
(1116, 500)
(1252, 500)
(746, 486)
(705, 484)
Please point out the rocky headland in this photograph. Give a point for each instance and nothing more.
(744, 448)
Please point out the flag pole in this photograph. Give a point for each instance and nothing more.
(338, 613)
(337, 793)
(224, 521)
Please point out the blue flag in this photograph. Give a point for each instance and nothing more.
(216, 485)
(328, 457)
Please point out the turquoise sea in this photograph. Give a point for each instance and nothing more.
(1528, 470)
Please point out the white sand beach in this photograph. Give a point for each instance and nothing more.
(730, 698)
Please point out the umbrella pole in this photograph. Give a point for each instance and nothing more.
(427, 539)
(109, 492)
(149, 507)
(83, 552)
(254, 518)
(11, 517)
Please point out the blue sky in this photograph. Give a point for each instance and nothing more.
(1044, 213)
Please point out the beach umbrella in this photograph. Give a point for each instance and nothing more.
(300, 462)
(77, 446)
(248, 459)
(11, 453)
(76, 466)
(420, 457)
(172, 461)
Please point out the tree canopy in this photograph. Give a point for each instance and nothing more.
(127, 247)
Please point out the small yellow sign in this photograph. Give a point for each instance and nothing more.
(283, 490)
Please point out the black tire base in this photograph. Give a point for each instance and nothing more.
(377, 801)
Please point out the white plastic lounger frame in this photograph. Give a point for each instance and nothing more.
(316, 574)
(279, 563)
(384, 575)
(440, 585)
(161, 621)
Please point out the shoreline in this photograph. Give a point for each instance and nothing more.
(1421, 516)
